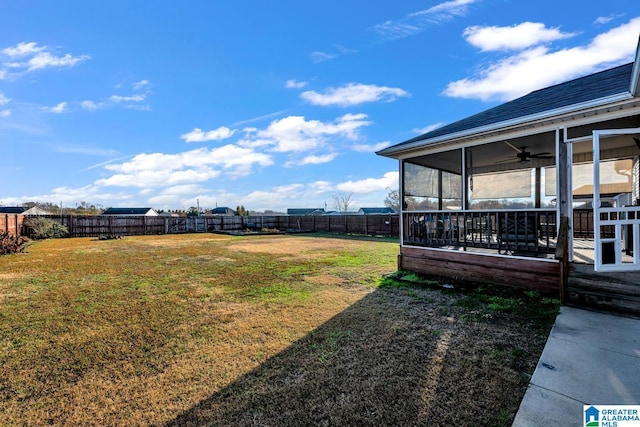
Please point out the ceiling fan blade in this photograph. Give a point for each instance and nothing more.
(518, 149)
(506, 161)
(541, 156)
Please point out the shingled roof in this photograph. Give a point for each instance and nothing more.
(614, 81)
(377, 211)
(12, 209)
(129, 211)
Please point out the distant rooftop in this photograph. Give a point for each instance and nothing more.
(305, 211)
(12, 209)
(129, 211)
(377, 211)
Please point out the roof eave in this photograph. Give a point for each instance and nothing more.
(396, 151)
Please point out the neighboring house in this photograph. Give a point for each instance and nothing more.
(172, 214)
(222, 211)
(476, 194)
(36, 211)
(376, 211)
(130, 212)
(12, 210)
(24, 211)
(305, 211)
(336, 213)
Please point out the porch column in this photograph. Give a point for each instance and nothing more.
(538, 188)
(564, 191)
(465, 181)
(440, 206)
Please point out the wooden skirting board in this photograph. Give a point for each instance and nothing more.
(543, 276)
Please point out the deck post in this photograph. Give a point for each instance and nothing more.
(561, 255)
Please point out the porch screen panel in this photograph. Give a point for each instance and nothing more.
(451, 191)
(451, 186)
(549, 181)
(420, 181)
(505, 185)
(420, 187)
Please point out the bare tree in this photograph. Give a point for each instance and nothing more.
(393, 200)
(342, 201)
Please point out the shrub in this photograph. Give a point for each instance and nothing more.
(45, 228)
(11, 244)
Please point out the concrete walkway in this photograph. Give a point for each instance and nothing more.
(590, 358)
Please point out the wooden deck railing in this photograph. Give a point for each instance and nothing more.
(522, 232)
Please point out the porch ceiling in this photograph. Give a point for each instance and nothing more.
(496, 156)
(500, 156)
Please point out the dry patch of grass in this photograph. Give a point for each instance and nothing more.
(277, 330)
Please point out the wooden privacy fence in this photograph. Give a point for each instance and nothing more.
(11, 223)
(102, 225)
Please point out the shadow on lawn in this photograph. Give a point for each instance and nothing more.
(396, 357)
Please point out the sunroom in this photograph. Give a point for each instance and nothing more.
(483, 198)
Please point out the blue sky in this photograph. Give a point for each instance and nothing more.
(268, 105)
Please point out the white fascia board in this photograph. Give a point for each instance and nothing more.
(390, 152)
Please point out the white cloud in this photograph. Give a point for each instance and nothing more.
(286, 195)
(369, 185)
(370, 148)
(83, 149)
(353, 94)
(132, 101)
(539, 67)
(26, 57)
(321, 186)
(160, 169)
(5, 113)
(344, 50)
(23, 49)
(417, 22)
(257, 119)
(428, 128)
(185, 189)
(132, 98)
(516, 37)
(602, 20)
(69, 196)
(312, 160)
(90, 105)
(58, 109)
(142, 84)
(46, 60)
(295, 84)
(320, 56)
(198, 135)
(296, 134)
(3, 99)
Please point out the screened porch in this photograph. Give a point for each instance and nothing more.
(502, 197)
